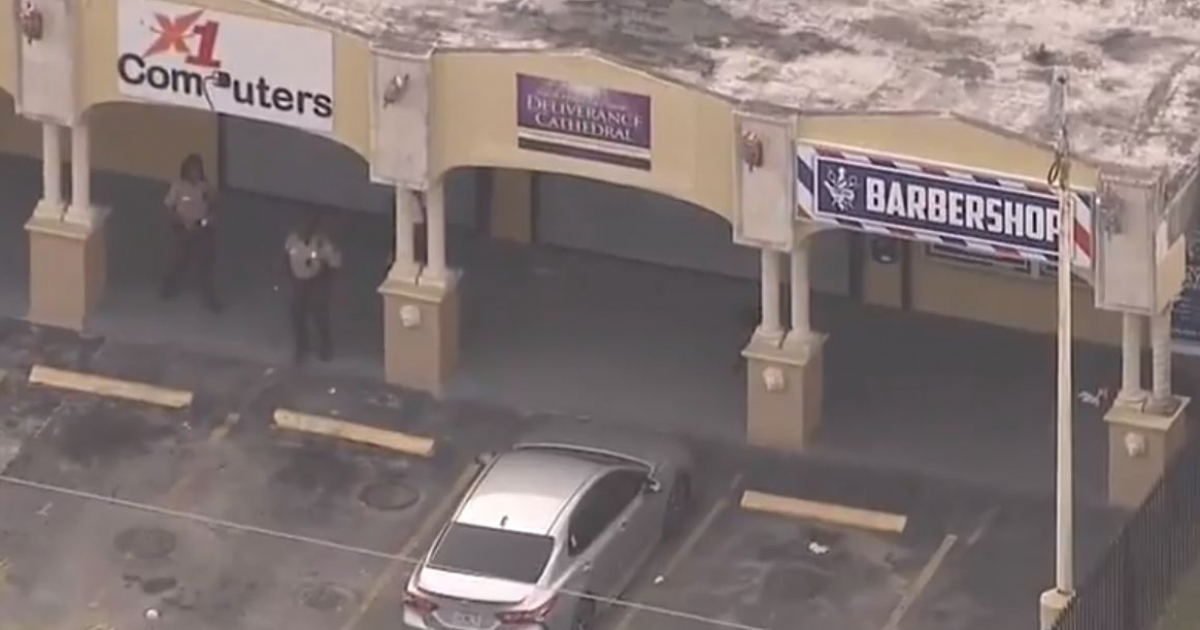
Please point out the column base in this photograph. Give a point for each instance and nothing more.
(1051, 605)
(68, 268)
(784, 386)
(1141, 445)
(421, 327)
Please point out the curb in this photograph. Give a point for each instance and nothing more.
(825, 512)
(110, 387)
(340, 429)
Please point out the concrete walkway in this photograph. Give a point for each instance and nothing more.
(545, 329)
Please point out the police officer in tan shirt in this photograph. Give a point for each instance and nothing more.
(312, 259)
(190, 202)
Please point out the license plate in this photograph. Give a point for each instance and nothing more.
(466, 620)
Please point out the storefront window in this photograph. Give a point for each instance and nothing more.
(978, 259)
(1185, 319)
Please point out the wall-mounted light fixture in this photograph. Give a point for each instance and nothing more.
(752, 150)
(33, 23)
(395, 89)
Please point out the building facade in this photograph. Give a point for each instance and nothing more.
(924, 208)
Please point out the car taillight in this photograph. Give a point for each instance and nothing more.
(418, 603)
(537, 615)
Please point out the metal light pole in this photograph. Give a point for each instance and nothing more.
(1055, 600)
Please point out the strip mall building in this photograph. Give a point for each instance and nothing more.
(873, 156)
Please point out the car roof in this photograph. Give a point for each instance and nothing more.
(526, 491)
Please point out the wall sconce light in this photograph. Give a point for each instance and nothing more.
(752, 150)
(32, 22)
(395, 89)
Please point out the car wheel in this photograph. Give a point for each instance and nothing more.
(585, 614)
(677, 506)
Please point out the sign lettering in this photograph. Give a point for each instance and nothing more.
(194, 57)
(1015, 218)
(583, 122)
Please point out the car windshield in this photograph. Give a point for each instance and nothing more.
(490, 552)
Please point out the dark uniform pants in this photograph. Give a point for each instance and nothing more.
(310, 305)
(195, 250)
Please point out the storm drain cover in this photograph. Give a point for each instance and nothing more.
(325, 597)
(388, 495)
(145, 543)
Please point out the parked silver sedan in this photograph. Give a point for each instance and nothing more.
(550, 531)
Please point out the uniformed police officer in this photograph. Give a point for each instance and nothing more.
(190, 202)
(312, 259)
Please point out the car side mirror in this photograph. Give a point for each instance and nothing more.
(651, 486)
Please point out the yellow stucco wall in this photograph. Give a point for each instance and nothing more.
(475, 124)
(1005, 298)
(8, 49)
(352, 61)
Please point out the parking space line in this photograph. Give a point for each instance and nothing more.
(922, 581)
(688, 544)
(407, 554)
(340, 429)
(827, 512)
(193, 517)
(109, 387)
(174, 496)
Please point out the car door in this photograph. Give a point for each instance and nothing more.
(636, 523)
(589, 532)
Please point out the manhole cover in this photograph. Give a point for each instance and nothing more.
(145, 543)
(388, 495)
(325, 597)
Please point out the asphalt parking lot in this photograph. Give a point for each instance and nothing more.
(218, 520)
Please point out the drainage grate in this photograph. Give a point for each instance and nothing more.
(388, 495)
(145, 543)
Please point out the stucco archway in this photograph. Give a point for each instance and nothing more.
(250, 225)
(622, 303)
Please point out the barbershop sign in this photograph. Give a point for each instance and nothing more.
(583, 122)
(1004, 217)
(190, 56)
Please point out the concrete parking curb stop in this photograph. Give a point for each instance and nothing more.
(340, 429)
(109, 387)
(826, 512)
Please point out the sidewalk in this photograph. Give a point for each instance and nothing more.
(581, 335)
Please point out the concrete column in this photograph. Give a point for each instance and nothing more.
(784, 378)
(801, 307)
(52, 164)
(1131, 359)
(435, 226)
(80, 210)
(1145, 436)
(421, 312)
(1161, 397)
(405, 266)
(67, 250)
(770, 326)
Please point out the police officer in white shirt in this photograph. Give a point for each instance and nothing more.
(190, 201)
(312, 260)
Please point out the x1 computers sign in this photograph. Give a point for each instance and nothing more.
(195, 57)
(993, 215)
